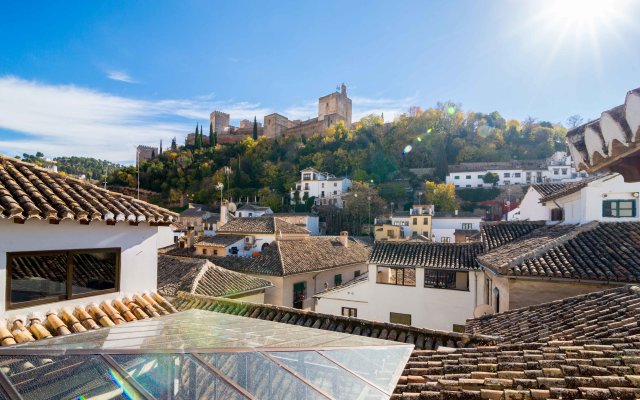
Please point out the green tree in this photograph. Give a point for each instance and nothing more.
(490, 178)
(441, 195)
(211, 141)
(255, 128)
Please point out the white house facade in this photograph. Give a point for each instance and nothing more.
(326, 188)
(68, 242)
(427, 285)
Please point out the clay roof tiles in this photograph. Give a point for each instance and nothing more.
(426, 254)
(264, 225)
(552, 191)
(28, 191)
(201, 276)
(612, 313)
(496, 234)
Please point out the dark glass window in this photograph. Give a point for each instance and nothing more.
(619, 208)
(349, 312)
(43, 277)
(396, 276)
(442, 279)
(399, 318)
(337, 279)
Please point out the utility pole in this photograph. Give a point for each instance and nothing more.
(369, 220)
(138, 169)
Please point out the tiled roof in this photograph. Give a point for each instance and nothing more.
(578, 369)
(201, 276)
(315, 253)
(603, 251)
(20, 329)
(426, 254)
(610, 139)
(527, 246)
(558, 190)
(218, 240)
(496, 234)
(612, 313)
(28, 191)
(422, 338)
(264, 224)
(252, 207)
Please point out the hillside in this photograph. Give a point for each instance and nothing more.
(371, 151)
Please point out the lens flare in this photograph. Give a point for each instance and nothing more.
(407, 149)
(419, 139)
(451, 110)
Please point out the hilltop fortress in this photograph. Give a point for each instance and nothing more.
(332, 108)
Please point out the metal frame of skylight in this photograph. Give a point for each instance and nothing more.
(8, 389)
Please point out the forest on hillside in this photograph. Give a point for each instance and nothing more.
(371, 151)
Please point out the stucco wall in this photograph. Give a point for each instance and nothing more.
(138, 260)
(531, 209)
(428, 307)
(525, 293)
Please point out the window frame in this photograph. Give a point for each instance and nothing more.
(400, 315)
(616, 202)
(445, 271)
(349, 310)
(9, 305)
(403, 269)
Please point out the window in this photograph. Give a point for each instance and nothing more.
(322, 194)
(456, 177)
(356, 273)
(516, 175)
(396, 276)
(619, 208)
(44, 277)
(458, 328)
(215, 252)
(556, 171)
(480, 176)
(507, 175)
(337, 279)
(391, 233)
(467, 226)
(443, 279)
(468, 176)
(349, 312)
(299, 294)
(306, 186)
(335, 184)
(557, 214)
(468, 186)
(306, 177)
(398, 318)
(564, 171)
(335, 192)
(445, 239)
(425, 221)
(415, 221)
(323, 185)
(204, 252)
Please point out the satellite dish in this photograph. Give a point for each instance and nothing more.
(232, 207)
(483, 310)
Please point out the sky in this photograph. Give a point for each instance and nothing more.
(97, 78)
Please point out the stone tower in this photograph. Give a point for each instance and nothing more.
(219, 120)
(335, 107)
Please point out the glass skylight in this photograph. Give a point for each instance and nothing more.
(203, 355)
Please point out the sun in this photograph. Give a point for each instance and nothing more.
(581, 12)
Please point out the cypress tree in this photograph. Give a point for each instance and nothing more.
(211, 143)
(255, 128)
(215, 138)
(174, 145)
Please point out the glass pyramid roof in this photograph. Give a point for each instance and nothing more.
(200, 354)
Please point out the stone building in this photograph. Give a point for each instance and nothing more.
(219, 120)
(146, 153)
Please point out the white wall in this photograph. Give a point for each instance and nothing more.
(445, 227)
(138, 260)
(531, 209)
(165, 237)
(429, 307)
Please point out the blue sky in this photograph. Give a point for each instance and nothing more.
(96, 78)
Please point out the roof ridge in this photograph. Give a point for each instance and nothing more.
(203, 270)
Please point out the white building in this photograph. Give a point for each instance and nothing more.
(455, 227)
(326, 188)
(606, 198)
(310, 222)
(252, 210)
(427, 285)
(530, 207)
(557, 168)
(53, 228)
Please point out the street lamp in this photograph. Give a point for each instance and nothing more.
(369, 220)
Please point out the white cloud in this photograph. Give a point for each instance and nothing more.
(71, 120)
(120, 76)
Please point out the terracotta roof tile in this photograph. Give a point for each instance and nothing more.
(552, 191)
(496, 234)
(200, 276)
(426, 254)
(218, 240)
(264, 224)
(28, 191)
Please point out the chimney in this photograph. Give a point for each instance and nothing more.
(456, 212)
(190, 237)
(344, 90)
(223, 212)
(344, 238)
